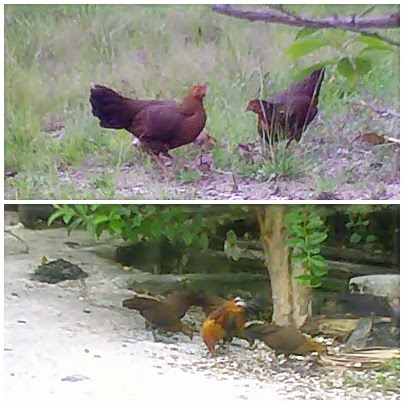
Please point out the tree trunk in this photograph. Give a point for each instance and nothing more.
(291, 301)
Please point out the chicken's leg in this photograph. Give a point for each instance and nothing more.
(173, 160)
(162, 166)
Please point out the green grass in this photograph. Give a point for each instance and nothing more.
(53, 53)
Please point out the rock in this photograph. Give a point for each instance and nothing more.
(32, 215)
(359, 336)
(376, 285)
(11, 218)
(13, 245)
(74, 378)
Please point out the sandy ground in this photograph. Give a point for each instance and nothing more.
(73, 340)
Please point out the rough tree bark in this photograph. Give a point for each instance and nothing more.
(292, 301)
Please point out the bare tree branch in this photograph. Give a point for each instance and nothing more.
(280, 15)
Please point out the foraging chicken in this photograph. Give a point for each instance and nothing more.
(287, 114)
(159, 125)
(224, 323)
(164, 315)
(287, 340)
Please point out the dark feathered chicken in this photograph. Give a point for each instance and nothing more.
(287, 114)
(159, 125)
(164, 315)
(287, 340)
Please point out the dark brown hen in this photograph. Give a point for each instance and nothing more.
(164, 315)
(159, 125)
(287, 114)
(287, 340)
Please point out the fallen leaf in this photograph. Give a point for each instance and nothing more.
(375, 139)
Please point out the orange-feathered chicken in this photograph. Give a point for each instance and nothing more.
(224, 323)
(159, 125)
(164, 315)
(287, 340)
(287, 114)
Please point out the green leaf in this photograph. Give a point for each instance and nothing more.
(188, 237)
(76, 222)
(304, 276)
(133, 235)
(296, 243)
(316, 237)
(81, 209)
(299, 259)
(305, 32)
(292, 217)
(337, 37)
(231, 237)
(306, 46)
(303, 280)
(315, 223)
(98, 231)
(315, 282)
(297, 230)
(100, 219)
(67, 217)
(346, 68)
(363, 65)
(366, 11)
(172, 232)
(204, 241)
(355, 238)
(155, 229)
(116, 225)
(318, 260)
(308, 70)
(313, 250)
(319, 272)
(371, 238)
(232, 251)
(55, 215)
(375, 43)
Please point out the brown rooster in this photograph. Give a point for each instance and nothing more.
(163, 315)
(159, 125)
(287, 114)
(287, 340)
(224, 323)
